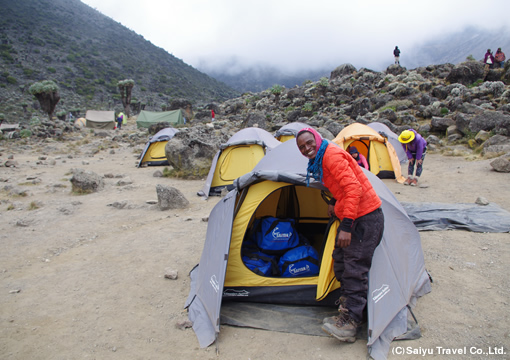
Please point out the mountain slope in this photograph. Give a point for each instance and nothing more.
(86, 54)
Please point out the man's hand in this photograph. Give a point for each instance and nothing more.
(331, 210)
(343, 239)
(420, 161)
(411, 161)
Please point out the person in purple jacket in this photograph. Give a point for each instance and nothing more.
(415, 147)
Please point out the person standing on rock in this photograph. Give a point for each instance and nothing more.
(415, 147)
(396, 53)
(488, 60)
(499, 58)
(361, 229)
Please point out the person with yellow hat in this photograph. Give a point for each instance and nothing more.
(415, 147)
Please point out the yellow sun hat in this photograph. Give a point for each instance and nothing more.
(406, 136)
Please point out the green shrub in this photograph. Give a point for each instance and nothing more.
(45, 86)
(28, 72)
(475, 84)
(2, 116)
(470, 58)
(25, 133)
(52, 70)
(307, 107)
(324, 82)
(444, 111)
(276, 89)
(12, 80)
(35, 121)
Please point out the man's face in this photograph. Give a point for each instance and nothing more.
(307, 145)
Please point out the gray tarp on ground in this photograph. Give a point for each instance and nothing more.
(471, 217)
(397, 277)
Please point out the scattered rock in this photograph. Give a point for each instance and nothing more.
(482, 201)
(124, 182)
(183, 324)
(11, 163)
(85, 182)
(501, 164)
(171, 274)
(170, 198)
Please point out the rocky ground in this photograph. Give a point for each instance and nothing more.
(82, 276)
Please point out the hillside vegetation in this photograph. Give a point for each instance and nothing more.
(86, 54)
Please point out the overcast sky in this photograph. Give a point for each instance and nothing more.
(298, 34)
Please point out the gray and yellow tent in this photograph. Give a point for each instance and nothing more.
(289, 131)
(277, 187)
(386, 132)
(154, 152)
(236, 157)
(147, 118)
(379, 152)
(100, 119)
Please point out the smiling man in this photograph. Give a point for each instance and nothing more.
(357, 206)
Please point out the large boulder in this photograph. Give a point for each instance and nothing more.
(501, 164)
(342, 70)
(184, 105)
(395, 70)
(490, 120)
(170, 198)
(466, 73)
(255, 119)
(86, 182)
(191, 151)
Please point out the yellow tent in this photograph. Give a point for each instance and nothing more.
(154, 152)
(381, 155)
(236, 157)
(280, 199)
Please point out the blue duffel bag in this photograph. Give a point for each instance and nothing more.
(276, 236)
(300, 261)
(261, 264)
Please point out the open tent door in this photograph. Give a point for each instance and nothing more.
(208, 277)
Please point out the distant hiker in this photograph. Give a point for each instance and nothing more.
(396, 53)
(358, 207)
(212, 114)
(415, 147)
(120, 119)
(360, 159)
(499, 58)
(488, 60)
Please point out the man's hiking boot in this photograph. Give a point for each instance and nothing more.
(408, 181)
(345, 329)
(341, 326)
(341, 309)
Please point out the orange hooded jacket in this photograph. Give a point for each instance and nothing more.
(351, 188)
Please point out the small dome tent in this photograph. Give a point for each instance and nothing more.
(289, 131)
(277, 187)
(380, 154)
(386, 132)
(154, 152)
(236, 157)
